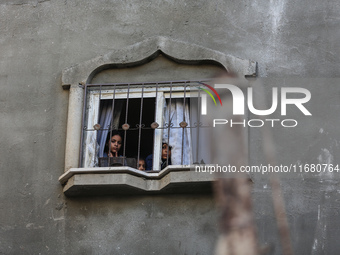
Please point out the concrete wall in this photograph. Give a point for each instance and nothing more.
(41, 38)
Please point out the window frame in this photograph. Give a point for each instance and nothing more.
(161, 92)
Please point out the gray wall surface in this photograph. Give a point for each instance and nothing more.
(41, 38)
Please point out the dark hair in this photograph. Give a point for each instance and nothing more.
(109, 135)
(140, 158)
(169, 146)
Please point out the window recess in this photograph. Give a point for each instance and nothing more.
(147, 114)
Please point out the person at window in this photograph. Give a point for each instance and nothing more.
(166, 157)
(112, 148)
(141, 164)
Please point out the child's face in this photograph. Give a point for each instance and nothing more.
(116, 144)
(165, 151)
(141, 165)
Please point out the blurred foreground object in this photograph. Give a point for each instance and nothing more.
(233, 190)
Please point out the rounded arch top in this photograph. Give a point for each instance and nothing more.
(145, 51)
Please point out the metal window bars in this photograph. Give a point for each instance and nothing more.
(164, 87)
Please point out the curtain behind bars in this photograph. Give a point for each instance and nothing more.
(97, 146)
(178, 136)
(200, 136)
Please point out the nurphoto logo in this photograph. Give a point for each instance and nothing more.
(238, 105)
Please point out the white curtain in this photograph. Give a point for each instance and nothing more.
(200, 136)
(178, 136)
(105, 118)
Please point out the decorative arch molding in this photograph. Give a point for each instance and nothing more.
(134, 55)
(145, 51)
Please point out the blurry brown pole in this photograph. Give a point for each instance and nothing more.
(233, 197)
(238, 235)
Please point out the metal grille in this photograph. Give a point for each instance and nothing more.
(187, 88)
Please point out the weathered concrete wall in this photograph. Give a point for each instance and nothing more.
(41, 38)
(311, 199)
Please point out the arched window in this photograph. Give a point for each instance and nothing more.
(149, 92)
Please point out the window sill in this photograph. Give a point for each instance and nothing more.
(130, 181)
